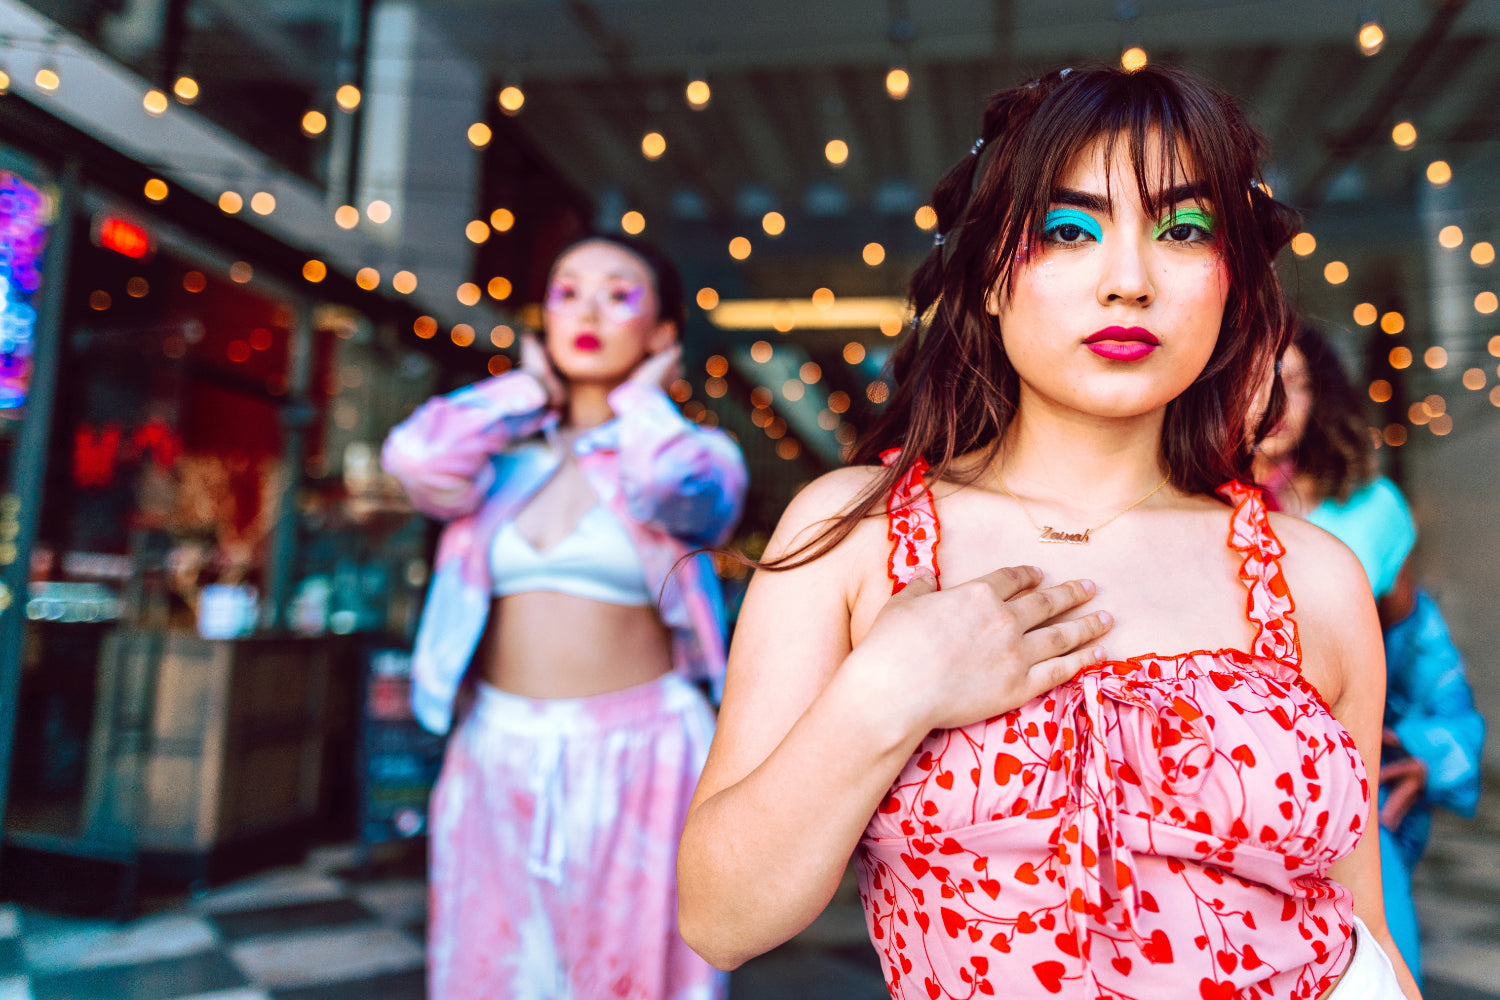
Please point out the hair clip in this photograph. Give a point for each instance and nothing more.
(938, 239)
(1062, 73)
(978, 145)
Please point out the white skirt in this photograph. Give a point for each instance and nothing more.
(1369, 975)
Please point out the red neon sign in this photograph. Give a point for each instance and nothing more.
(124, 238)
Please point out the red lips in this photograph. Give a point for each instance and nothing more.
(586, 342)
(1124, 333)
(1122, 343)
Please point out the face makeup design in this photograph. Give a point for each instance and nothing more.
(618, 302)
(1186, 225)
(1122, 343)
(1071, 226)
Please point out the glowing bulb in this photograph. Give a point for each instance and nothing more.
(1365, 314)
(155, 103)
(186, 89)
(1336, 272)
(502, 219)
(873, 254)
(1371, 38)
(263, 203)
(404, 282)
(1304, 244)
(836, 152)
(1404, 135)
(1482, 253)
(314, 123)
(348, 97)
(378, 212)
(156, 189)
(512, 99)
(707, 298)
(774, 223)
(346, 216)
(633, 222)
(315, 271)
(1450, 237)
(1439, 173)
(926, 218)
(48, 80)
(499, 288)
(230, 202)
(1133, 58)
(480, 135)
(477, 231)
(653, 145)
(739, 248)
(897, 83)
(698, 94)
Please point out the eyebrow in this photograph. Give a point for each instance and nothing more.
(1169, 198)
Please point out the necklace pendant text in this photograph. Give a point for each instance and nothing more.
(1051, 534)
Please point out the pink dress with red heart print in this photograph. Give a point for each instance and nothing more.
(1157, 827)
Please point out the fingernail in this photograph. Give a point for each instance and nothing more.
(1106, 619)
(1099, 655)
(1088, 585)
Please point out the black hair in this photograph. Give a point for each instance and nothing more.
(671, 298)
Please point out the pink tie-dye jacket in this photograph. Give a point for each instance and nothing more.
(473, 458)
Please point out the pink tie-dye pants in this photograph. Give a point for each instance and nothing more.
(554, 831)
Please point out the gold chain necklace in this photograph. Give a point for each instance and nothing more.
(1047, 533)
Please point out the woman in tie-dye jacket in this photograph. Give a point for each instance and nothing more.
(576, 496)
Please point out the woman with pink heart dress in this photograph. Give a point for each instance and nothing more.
(1089, 720)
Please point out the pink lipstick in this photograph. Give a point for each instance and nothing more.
(586, 342)
(1122, 343)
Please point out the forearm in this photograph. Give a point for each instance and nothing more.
(761, 858)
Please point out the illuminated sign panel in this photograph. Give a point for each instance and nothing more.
(124, 238)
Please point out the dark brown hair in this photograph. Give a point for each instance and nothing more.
(1335, 447)
(955, 390)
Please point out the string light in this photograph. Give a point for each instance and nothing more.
(480, 135)
(156, 189)
(1474, 379)
(897, 83)
(186, 89)
(155, 102)
(1435, 357)
(404, 282)
(836, 152)
(1365, 314)
(477, 231)
(1371, 37)
(314, 123)
(854, 352)
(739, 248)
(468, 293)
(463, 335)
(1439, 173)
(367, 278)
(1336, 272)
(512, 99)
(1451, 237)
(315, 271)
(698, 93)
(1482, 253)
(1380, 391)
(1485, 302)
(633, 222)
(774, 223)
(1400, 358)
(653, 145)
(502, 219)
(499, 288)
(348, 97)
(263, 203)
(707, 299)
(378, 212)
(346, 216)
(761, 351)
(873, 254)
(1393, 322)
(1133, 59)
(230, 202)
(503, 336)
(1304, 244)
(424, 327)
(1404, 135)
(926, 218)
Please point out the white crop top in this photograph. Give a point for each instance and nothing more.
(597, 560)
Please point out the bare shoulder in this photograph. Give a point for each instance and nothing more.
(1335, 610)
(819, 504)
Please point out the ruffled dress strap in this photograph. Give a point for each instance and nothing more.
(912, 524)
(1269, 602)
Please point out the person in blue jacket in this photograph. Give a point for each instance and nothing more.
(1318, 463)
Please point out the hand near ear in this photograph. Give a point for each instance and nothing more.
(534, 362)
(660, 369)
